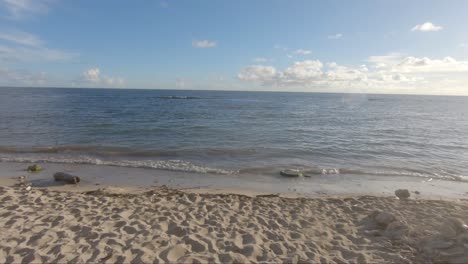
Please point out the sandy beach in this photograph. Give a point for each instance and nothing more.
(165, 225)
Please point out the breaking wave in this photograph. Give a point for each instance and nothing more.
(171, 165)
(178, 160)
(395, 172)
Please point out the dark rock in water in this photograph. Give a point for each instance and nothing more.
(34, 168)
(402, 194)
(65, 177)
(291, 173)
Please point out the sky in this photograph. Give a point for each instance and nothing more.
(361, 46)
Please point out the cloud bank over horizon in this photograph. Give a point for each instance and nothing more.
(93, 77)
(390, 73)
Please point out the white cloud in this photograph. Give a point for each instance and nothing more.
(20, 9)
(336, 36)
(20, 37)
(28, 54)
(114, 81)
(426, 65)
(202, 44)
(257, 73)
(386, 73)
(302, 52)
(298, 73)
(463, 45)
(27, 47)
(302, 70)
(281, 47)
(22, 78)
(260, 60)
(426, 27)
(89, 78)
(383, 61)
(93, 77)
(342, 73)
(396, 62)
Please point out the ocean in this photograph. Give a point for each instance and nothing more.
(237, 133)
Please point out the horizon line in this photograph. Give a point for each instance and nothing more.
(215, 90)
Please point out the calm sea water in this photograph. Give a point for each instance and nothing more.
(238, 132)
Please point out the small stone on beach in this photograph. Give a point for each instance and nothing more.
(402, 194)
(383, 218)
(34, 168)
(67, 178)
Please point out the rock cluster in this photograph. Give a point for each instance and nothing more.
(450, 245)
(386, 224)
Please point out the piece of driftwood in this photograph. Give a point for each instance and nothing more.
(65, 177)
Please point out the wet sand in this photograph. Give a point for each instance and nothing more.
(93, 177)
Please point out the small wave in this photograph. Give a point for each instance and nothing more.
(275, 170)
(171, 165)
(406, 173)
(178, 97)
(311, 171)
(65, 149)
(394, 173)
(105, 151)
(321, 171)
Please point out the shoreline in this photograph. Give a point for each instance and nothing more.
(99, 176)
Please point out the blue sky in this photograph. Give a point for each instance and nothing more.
(335, 46)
